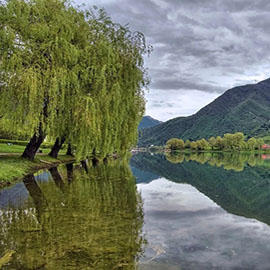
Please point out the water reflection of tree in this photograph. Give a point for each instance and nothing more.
(94, 222)
(230, 161)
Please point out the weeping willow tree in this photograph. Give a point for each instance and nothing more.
(70, 75)
(38, 61)
(112, 103)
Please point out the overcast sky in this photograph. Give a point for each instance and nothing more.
(201, 48)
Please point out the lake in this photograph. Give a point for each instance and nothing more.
(185, 211)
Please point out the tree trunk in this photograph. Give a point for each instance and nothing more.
(69, 150)
(32, 147)
(57, 147)
(84, 165)
(95, 162)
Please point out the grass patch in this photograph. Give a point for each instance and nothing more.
(5, 148)
(15, 148)
(24, 143)
(15, 167)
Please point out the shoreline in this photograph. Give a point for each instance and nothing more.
(188, 151)
(14, 168)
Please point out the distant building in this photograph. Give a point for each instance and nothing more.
(266, 146)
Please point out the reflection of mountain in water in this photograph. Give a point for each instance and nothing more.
(245, 193)
(143, 176)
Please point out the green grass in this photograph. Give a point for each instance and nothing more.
(15, 167)
(14, 148)
(24, 143)
(5, 148)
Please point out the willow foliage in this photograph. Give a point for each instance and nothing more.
(74, 73)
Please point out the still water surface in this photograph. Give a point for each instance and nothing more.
(183, 212)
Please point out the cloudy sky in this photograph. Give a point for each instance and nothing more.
(201, 48)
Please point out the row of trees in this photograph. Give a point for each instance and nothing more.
(70, 75)
(229, 141)
(229, 161)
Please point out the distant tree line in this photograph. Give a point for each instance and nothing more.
(229, 141)
(71, 76)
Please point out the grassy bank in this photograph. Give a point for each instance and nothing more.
(13, 167)
(12, 146)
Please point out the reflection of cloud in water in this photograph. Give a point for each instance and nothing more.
(195, 233)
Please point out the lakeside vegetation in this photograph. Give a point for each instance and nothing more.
(71, 76)
(13, 167)
(229, 142)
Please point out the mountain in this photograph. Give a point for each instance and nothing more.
(148, 122)
(243, 108)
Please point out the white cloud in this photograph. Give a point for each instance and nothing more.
(164, 105)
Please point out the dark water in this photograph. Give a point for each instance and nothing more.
(185, 212)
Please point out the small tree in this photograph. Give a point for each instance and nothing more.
(175, 144)
(259, 143)
(187, 144)
(193, 146)
(212, 142)
(202, 144)
(228, 141)
(220, 144)
(252, 143)
(237, 139)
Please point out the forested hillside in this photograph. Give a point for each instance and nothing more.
(148, 121)
(244, 108)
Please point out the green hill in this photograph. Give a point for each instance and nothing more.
(148, 122)
(244, 108)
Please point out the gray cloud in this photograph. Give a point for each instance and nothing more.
(208, 45)
(178, 84)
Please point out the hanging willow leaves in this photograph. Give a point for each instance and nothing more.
(71, 75)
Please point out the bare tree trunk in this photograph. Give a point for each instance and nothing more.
(84, 165)
(34, 144)
(57, 147)
(95, 162)
(69, 150)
